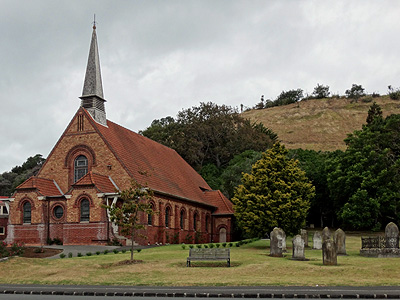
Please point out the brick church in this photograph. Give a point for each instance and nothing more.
(91, 162)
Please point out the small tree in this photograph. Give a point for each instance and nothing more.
(356, 92)
(321, 91)
(288, 97)
(276, 193)
(135, 200)
(394, 93)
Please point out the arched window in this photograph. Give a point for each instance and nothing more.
(80, 167)
(27, 212)
(182, 219)
(150, 216)
(195, 222)
(207, 223)
(85, 210)
(167, 216)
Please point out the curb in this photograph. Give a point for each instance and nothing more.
(205, 295)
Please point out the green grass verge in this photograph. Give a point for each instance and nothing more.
(166, 266)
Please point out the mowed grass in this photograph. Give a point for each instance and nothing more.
(166, 266)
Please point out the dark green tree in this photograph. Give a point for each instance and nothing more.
(288, 97)
(135, 201)
(374, 114)
(365, 180)
(321, 91)
(10, 180)
(210, 134)
(275, 193)
(356, 92)
(315, 165)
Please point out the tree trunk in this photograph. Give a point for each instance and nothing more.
(132, 235)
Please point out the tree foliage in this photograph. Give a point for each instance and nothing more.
(210, 134)
(288, 97)
(135, 201)
(365, 180)
(275, 193)
(321, 91)
(355, 92)
(10, 180)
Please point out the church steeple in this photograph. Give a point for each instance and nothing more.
(92, 94)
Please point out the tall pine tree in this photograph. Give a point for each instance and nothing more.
(276, 193)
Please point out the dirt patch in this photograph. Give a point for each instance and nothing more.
(32, 252)
(123, 263)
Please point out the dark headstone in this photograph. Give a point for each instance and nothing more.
(304, 235)
(329, 256)
(326, 234)
(340, 240)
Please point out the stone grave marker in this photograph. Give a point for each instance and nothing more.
(298, 248)
(329, 256)
(317, 241)
(392, 235)
(304, 235)
(284, 249)
(326, 234)
(276, 242)
(340, 241)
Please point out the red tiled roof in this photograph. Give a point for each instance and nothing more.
(103, 183)
(168, 172)
(216, 198)
(45, 187)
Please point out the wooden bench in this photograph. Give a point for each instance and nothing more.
(208, 254)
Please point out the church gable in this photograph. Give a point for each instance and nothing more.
(81, 150)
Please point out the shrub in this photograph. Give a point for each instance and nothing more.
(355, 92)
(375, 95)
(191, 246)
(218, 245)
(205, 246)
(38, 250)
(367, 99)
(98, 252)
(3, 249)
(62, 255)
(393, 93)
(198, 246)
(230, 244)
(211, 245)
(70, 255)
(138, 250)
(183, 247)
(89, 254)
(115, 251)
(79, 254)
(57, 241)
(17, 249)
(224, 244)
(237, 244)
(105, 251)
(123, 250)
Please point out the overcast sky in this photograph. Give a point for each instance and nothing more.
(158, 57)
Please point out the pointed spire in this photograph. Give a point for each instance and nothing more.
(92, 94)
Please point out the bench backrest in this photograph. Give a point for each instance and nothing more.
(209, 253)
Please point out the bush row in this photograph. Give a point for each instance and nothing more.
(218, 245)
(115, 251)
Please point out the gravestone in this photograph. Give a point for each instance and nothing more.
(329, 256)
(276, 242)
(340, 241)
(326, 234)
(392, 235)
(298, 248)
(284, 249)
(304, 235)
(317, 241)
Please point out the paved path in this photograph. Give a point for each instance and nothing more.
(83, 249)
(207, 292)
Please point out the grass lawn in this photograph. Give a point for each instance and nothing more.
(165, 266)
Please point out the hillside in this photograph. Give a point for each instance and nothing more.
(320, 124)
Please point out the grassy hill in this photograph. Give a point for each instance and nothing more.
(320, 124)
